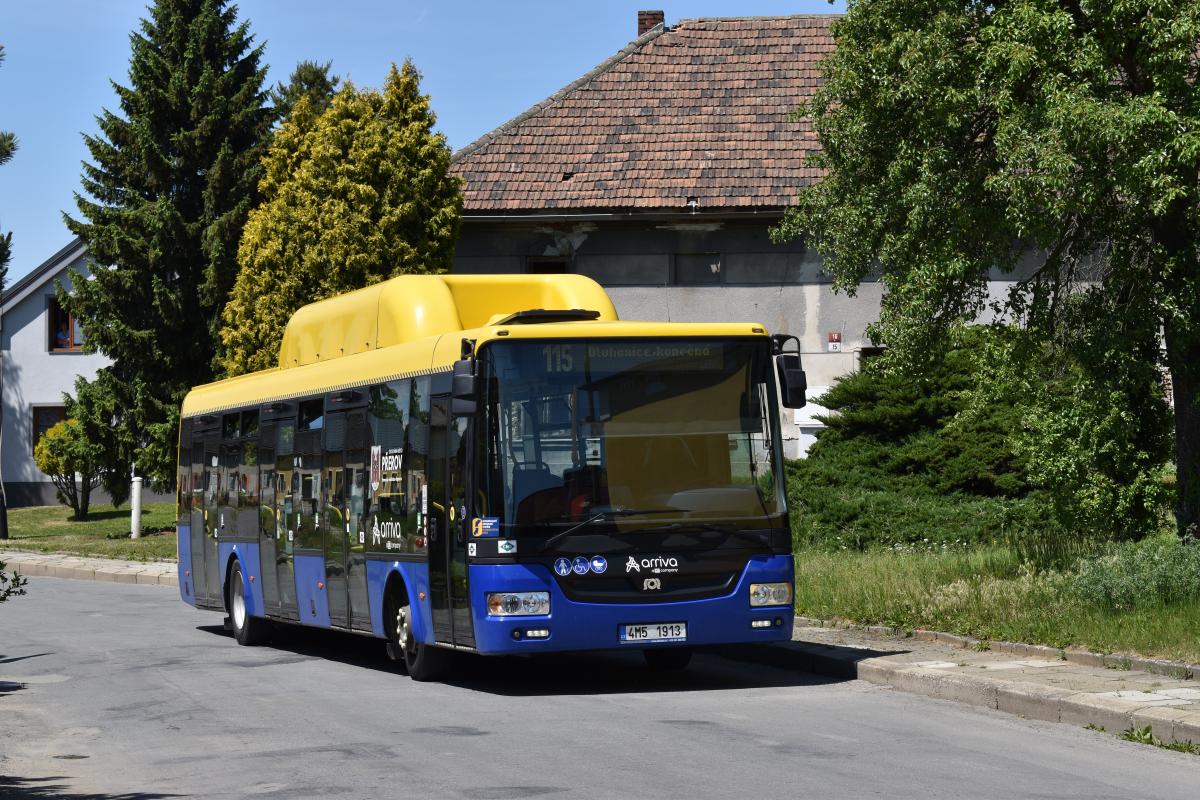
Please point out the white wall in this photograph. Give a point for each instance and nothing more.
(35, 376)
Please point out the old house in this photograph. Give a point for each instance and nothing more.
(660, 173)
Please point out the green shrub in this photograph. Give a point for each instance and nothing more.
(999, 441)
(1158, 571)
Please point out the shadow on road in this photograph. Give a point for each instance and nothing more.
(12, 788)
(729, 667)
(10, 660)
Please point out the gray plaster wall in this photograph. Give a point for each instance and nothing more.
(35, 376)
(642, 263)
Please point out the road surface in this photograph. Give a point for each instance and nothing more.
(122, 692)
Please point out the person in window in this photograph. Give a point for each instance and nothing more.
(62, 339)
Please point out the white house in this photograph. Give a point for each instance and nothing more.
(42, 352)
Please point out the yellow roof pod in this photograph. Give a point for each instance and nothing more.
(414, 307)
(410, 325)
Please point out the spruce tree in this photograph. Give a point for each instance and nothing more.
(173, 177)
(354, 196)
(308, 79)
(8, 146)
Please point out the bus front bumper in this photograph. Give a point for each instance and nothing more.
(574, 625)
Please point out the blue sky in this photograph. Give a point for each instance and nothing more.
(483, 63)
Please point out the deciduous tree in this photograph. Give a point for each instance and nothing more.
(959, 136)
(73, 464)
(356, 195)
(172, 178)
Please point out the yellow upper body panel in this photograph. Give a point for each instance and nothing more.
(414, 325)
(415, 307)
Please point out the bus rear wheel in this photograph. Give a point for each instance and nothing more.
(670, 659)
(422, 662)
(247, 629)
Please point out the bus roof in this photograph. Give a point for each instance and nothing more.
(414, 325)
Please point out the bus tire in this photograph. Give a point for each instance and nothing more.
(668, 659)
(247, 629)
(393, 629)
(423, 662)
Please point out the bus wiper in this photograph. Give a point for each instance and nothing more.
(607, 514)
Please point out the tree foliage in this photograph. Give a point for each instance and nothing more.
(93, 408)
(308, 79)
(354, 195)
(172, 179)
(972, 448)
(11, 585)
(959, 135)
(73, 463)
(8, 146)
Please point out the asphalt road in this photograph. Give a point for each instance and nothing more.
(114, 692)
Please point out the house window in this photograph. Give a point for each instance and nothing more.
(64, 332)
(45, 418)
(697, 269)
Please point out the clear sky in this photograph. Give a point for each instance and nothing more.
(483, 63)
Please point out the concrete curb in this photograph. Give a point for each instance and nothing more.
(52, 565)
(1020, 698)
(1075, 655)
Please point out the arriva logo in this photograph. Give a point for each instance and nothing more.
(388, 530)
(656, 564)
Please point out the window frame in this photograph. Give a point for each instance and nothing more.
(54, 313)
(36, 411)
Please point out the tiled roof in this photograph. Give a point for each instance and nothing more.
(700, 109)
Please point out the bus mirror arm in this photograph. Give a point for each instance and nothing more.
(792, 381)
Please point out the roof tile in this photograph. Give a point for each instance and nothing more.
(700, 109)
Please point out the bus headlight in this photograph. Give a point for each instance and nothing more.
(518, 604)
(770, 594)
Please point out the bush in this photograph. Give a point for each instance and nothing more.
(1158, 571)
(73, 464)
(993, 443)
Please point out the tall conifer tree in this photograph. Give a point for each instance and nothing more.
(354, 195)
(172, 180)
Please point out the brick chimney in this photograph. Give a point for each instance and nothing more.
(648, 20)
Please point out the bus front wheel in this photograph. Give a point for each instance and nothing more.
(247, 629)
(422, 662)
(668, 659)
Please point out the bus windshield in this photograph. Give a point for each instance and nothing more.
(631, 436)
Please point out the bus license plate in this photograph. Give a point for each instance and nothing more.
(654, 632)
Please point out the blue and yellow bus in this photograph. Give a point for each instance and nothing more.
(498, 465)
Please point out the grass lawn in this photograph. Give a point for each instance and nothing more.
(105, 534)
(989, 592)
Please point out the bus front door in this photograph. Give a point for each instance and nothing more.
(448, 526)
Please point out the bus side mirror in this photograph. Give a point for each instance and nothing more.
(462, 389)
(792, 381)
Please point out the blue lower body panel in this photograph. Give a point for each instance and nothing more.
(312, 596)
(594, 626)
(247, 554)
(183, 550)
(416, 578)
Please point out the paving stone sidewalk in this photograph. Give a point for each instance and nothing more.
(162, 573)
(1069, 686)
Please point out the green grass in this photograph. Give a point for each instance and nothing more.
(49, 529)
(992, 592)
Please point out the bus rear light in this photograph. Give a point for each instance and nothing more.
(518, 604)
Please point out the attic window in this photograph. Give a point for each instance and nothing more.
(568, 175)
(64, 333)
